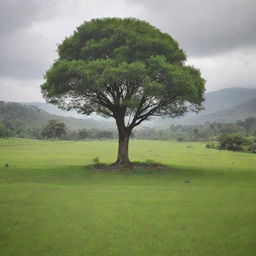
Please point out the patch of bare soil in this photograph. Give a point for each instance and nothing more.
(135, 166)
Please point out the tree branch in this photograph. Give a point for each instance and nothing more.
(145, 116)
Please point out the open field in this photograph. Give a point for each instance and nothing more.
(52, 203)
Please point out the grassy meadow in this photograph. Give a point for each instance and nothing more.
(52, 203)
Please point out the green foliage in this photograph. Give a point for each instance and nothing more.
(117, 67)
(202, 132)
(96, 161)
(27, 122)
(250, 125)
(4, 132)
(19, 118)
(54, 129)
(211, 145)
(252, 147)
(233, 142)
(83, 134)
(237, 142)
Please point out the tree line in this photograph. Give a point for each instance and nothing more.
(202, 132)
(55, 129)
(235, 142)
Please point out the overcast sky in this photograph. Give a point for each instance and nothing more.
(219, 37)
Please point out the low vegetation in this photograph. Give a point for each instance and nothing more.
(206, 132)
(235, 142)
(54, 203)
(54, 129)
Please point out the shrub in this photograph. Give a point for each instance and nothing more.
(252, 147)
(210, 145)
(4, 132)
(150, 162)
(54, 129)
(234, 142)
(96, 161)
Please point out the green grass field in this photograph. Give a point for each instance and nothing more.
(52, 202)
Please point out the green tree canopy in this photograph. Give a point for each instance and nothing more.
(125, 69)
(4, 132)
(54, 129)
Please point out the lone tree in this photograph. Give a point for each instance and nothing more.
(125, 69)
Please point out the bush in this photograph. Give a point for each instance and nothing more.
(252, 147)
(54, 129)
(234, 142)
(83, 134)
(210, 145)
(96, 161)
(4, 132)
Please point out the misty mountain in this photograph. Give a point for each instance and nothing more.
(239, 112)
(52, 109)
(227, 98)
(214, 101)
(33, 117)
(224, 105)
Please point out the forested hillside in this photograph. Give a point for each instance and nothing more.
(226, 105)
(32, 117)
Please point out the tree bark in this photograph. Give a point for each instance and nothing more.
(123, 146)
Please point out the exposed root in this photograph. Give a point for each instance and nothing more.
(122, 165)
(130, 166)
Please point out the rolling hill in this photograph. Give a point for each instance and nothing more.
(225, 105)
(52, 109)
(214, 101)
(34, 117)
(239, 112)
(227, 98)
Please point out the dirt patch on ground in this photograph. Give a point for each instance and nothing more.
(135, 166)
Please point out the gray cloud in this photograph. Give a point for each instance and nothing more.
(232, 69)
(218, 36)
(23, 55)
(204, 27)
(31, 30)
(24, 51)
(20, 90)
(17, 14)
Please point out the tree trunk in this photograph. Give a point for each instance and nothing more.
(123, 154)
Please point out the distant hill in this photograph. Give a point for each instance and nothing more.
(227, 98)
(224, 105)
(52, 109)
(214, 101)
(239, 112)
(30, 116)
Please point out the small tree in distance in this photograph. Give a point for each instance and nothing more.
(125, 69)
(54, 129)
(4, 132)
